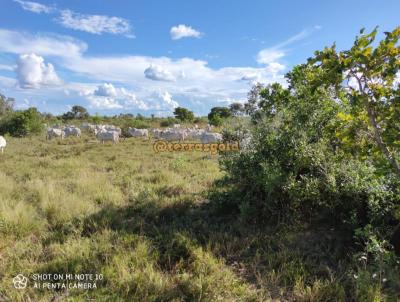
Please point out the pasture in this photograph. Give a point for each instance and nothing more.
(150, 224)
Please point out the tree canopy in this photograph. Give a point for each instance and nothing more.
(6, 105)
(77, 112)
(325, 148)
(218, 114)
(183, 114)
(367, 77)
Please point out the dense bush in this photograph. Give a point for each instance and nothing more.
(139, 123)
(217, 115)
(311, 158)
(168, 122)
(22, 123)
(183, 114)
(6, 105)
(77, 112)
(288, 177)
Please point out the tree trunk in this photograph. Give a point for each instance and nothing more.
(377, 133)
(395, 240)
(379, 141)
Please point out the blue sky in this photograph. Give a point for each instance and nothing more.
(151, 56)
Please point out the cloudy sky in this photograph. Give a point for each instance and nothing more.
(151, 56)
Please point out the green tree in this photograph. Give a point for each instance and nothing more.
(6, 105)
(96, 119)
(77, 112)
(313, 154)
(366, 74)
(236, 109)
(183, 114)
(168, 122)
(253, 97)
(22, 123)
(218, 114)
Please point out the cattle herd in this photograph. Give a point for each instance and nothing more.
(112, 133)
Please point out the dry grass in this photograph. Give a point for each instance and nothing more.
(144, 221)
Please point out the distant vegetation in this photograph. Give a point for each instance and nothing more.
(22, 122)
(183, 114)
(77, 112)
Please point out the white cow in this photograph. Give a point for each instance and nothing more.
(113, 128)
(87, 126)
(177, 125)
(210, 137)
(97, 128)
(138, 132)
(3, 144)
(105, 135)
(209, 127)
(156, 133)
(173, 135)
(55, 132)
(195, 134)
(72, 131)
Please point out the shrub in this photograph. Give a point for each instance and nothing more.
(289, 178)
(77, 112)
(22, 123)
(304, 164)
(168, 122)
(132, 123)
(218, 114)
(135, 123)
(183, 114)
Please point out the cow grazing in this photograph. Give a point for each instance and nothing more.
(85, 126)
(156, 133)
(105, 135)
(55, 132)
(209, 127)
(209, 137)
(88, 127)
(113, 128)
(72, 131)
(3, 144)
(195, 134)
(138, 132)
(173, 135)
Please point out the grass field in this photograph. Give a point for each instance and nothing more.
(146, 222)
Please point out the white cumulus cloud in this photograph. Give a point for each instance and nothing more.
(131, 101)
(45, 45)
(184, 31)
(34, 7)
(275, 67)
(95, 24)
(193, 82)
(106, 89)
(168, 101)
(267, 56)
(161, 102)
(158, 73)
(33, 72)
(103, 103)
(251, 77)
(107, 96)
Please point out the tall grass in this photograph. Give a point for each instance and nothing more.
(146, 222)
